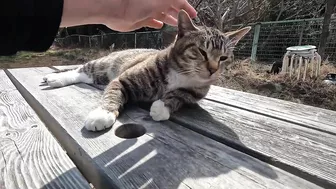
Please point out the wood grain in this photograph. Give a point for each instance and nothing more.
(2, 170)
(306, 152)
(30, 157)
(306, 116)
(167, 156)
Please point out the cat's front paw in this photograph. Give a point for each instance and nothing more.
(159, 111)
(55, 80)
(99, 119)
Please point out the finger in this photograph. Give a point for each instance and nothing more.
(168, 19)
(156, 24)
(183, 4)
(173, 12)
(152, 23)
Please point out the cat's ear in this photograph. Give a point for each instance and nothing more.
(236, 36)
(185, 24)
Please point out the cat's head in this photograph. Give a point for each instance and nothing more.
(203, 53)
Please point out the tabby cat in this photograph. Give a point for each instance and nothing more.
(179, 74)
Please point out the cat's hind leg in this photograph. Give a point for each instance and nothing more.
(62, 79)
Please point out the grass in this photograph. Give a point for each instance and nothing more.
(243, 76)
(20, 56)
(52, 57)
(253, 78)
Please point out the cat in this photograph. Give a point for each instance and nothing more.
(276, 68)
(168, 78)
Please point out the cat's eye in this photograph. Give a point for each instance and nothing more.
(203, 53)
(223, 58)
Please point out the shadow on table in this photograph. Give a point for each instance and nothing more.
(132, 167)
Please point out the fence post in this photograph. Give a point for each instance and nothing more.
(255, 42)
(301, 32)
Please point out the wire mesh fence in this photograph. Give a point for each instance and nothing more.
(118, 40)
(267, 41)
(271, 39)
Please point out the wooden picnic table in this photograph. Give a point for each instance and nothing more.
(231, 139)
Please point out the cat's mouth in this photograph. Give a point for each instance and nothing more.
(215, 74)
(212, 78)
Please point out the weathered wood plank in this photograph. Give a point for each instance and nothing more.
(30, 157)
(167, 156)
(2, 170)
(307, 116)
(303, 151)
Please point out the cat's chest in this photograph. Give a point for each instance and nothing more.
(176, 80)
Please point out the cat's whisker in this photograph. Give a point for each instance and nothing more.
(186, 72)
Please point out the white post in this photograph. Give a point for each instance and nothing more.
(285, 63)
(318, 62)
(299, 68)
(291, 65)
(305, 69)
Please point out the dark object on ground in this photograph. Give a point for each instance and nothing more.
(330, 78)
(276, 67)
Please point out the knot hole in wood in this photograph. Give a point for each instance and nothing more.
(130, 130)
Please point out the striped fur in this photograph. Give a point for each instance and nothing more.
(179, 74)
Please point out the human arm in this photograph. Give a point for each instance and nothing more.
(31, 25)
(124, 15)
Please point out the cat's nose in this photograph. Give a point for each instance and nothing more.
(212, 70)
(213, 67)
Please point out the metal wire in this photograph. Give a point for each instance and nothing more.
(120, 40)
(274, 38)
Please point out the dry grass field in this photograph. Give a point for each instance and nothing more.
(243, 76)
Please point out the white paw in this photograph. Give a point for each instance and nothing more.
(99, 119)
(159, 111)
(55, 80)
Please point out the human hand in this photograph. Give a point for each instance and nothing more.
(124, 15)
